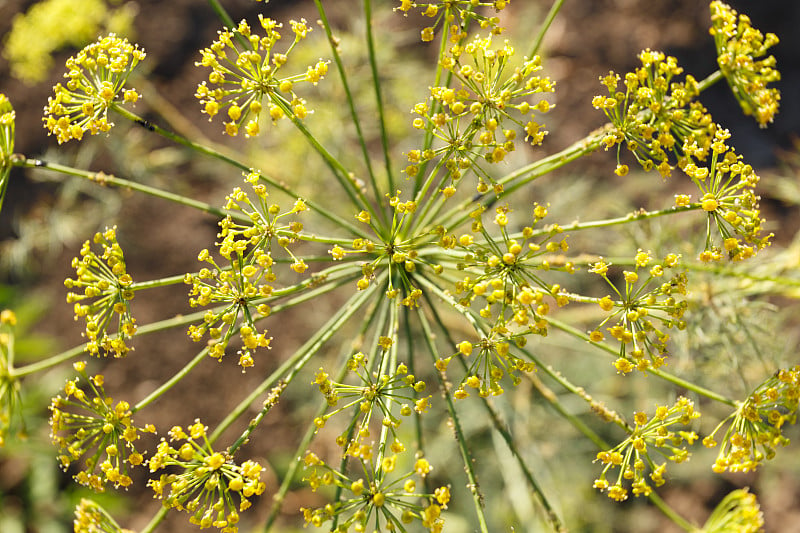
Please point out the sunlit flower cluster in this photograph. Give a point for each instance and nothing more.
(209, 485)
(655, 115)
(633, 456)
(377, 398)
(246, 283)
(90, 425)
(7, 125)
(739, 47)
(377, 497)
(97, 77)
(754, 430)
(92, 518)
(455, 14)
(106, 293)
(727, 195)
(506, 271)
(479, 119)
(640, 313)
(244, 72)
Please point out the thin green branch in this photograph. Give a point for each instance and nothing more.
(551, 15)
(373, 63)
(325, 212)
(355, 119)
(466, 455)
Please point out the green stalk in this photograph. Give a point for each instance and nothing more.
(298, 360)
(520, 177)
(101, 178)
(712, 78)
(373, 63)
(466, 456)
(702, 391)
(362, 141)
(552, 517)
(279, 496)
(236, 164)
(551, 15)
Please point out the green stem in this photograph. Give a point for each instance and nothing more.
(670, 513)
(551, 15)
(279, 496)
(101, 178)
(710, 80)
(524, 175)
(356, 121)
(552, 516)
(373, 63)
(702, 391)
(466, 456)
(236, 164)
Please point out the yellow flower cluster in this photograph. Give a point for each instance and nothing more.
(642, 310)
(448, 11)
(739, 46)
(474, 120)
(106, 292)
(93, 426)
(755, 428)
(375, 397)
(50, 25)
(507, 271)
(738, 511)
(97, 77)
(207, 483)
(92, 518)
(655, 115)
(650, 435)
(727, 195)
(10, 399)
(241, 79)
(247, 284)
(381, 499)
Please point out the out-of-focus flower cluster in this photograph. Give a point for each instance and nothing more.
(655, 115)
(244, 72)
(7, 125)
(378, 497)
(106, 292)
(91, 426)
(208, 483)
(474, 120)
(633, 456)
(97, 77)
(456, 14)
(92, 518)
(245, 285)
(754, 430)
(642, 312)
(739, 45)
(50, 25)
(10, 401)
(738, 511)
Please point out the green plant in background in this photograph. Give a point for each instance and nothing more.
(449, 283)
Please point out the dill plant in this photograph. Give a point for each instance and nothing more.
(412, 243)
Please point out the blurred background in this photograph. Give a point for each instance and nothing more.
(45, 218)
